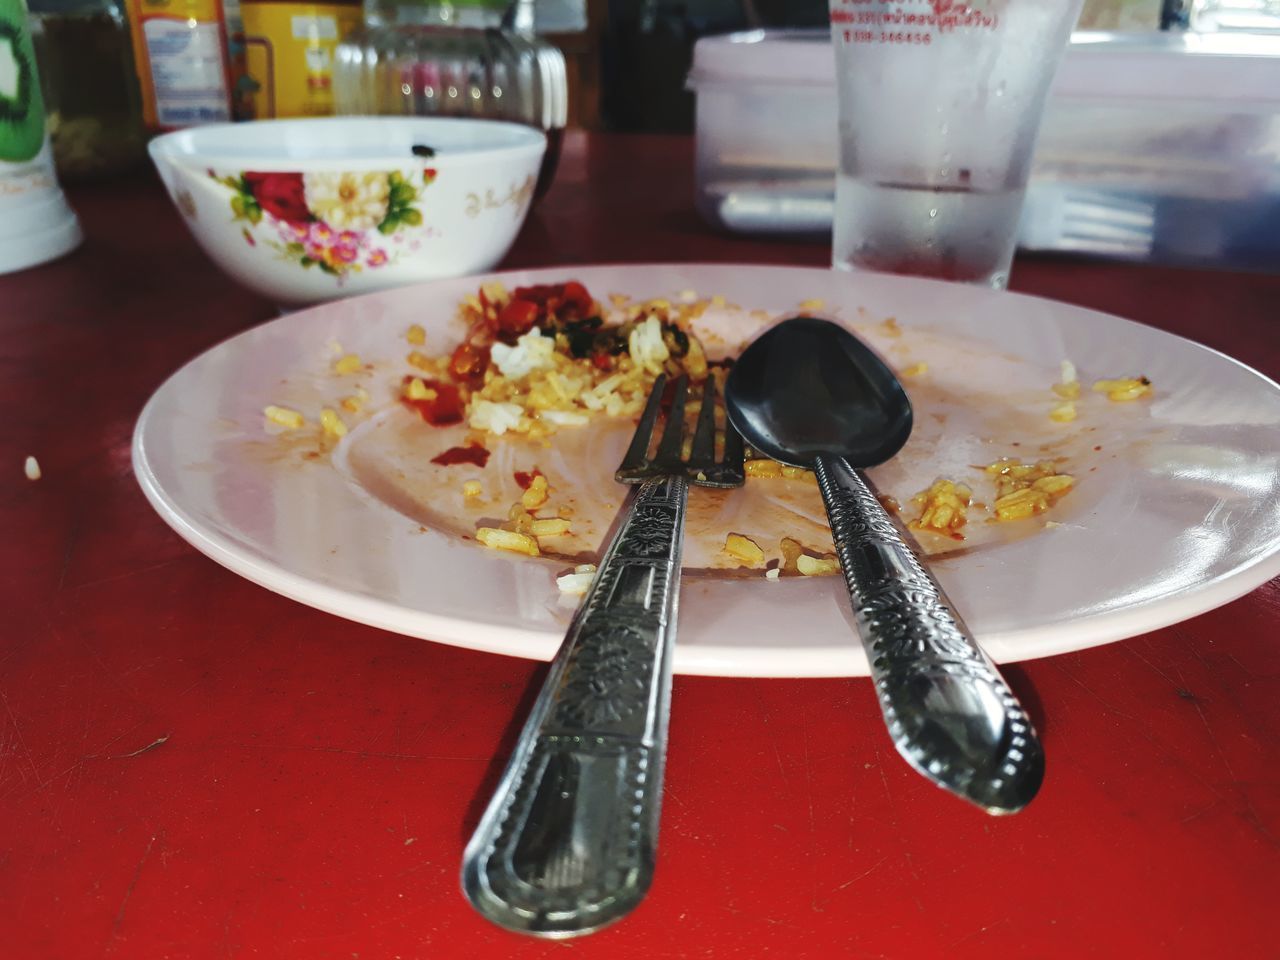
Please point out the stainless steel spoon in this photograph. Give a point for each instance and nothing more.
(809, 393)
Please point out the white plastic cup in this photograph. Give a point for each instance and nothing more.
(36, 224)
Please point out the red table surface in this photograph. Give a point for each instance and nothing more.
(191, 766)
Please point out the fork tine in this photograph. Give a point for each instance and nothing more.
(670, 447)
(638, 453)
(701, 467)
(702, 455)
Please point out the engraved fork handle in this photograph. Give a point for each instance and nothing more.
(948, 710)
(566, 845)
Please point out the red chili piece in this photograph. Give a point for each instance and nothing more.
(443, 409)
(469, 363)
(525, 480)
(471, 453)
(518, 317)
(569, 298)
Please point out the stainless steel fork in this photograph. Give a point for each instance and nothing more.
(567, 844)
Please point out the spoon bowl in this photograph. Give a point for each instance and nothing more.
(807, 387)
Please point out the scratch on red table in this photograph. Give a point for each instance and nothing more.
(124, 575)
(417, 867)
(893, 822)
(79, 763)
(1191, 648)
(980, 931)
(814, 840)
(808, 783)
(1199, 656)
(1138, 727)
(72, 535)
(1196, 814)
(158, 741)
(118, 922)
(227, 943)
(1131, 649)
(21, 741)
(1185, 693)
(13, 648)
(849, 883)
(1110, 707)
(1232, 657)
(364, 754)
(1249, 814)
(773, 738)
(1213, 737)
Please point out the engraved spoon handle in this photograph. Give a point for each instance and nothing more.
(566, 845)
(948, 710)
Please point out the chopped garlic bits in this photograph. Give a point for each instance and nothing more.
(744, 549)
(551, 527)
(646, 346)
(944, 508)
(578, 582)
(284, 417)
(1063, 412)
(764, 468)
(508, 540)
(817, 566)
(1124, 389)
(415, 389)
(531, 352)
(1025, 489)
(537, 494)
(332, 424)
(350, 363)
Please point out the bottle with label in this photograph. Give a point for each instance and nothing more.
(288, 50)
(181, 54)
(90, 87)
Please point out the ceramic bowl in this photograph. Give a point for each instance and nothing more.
(304, 211)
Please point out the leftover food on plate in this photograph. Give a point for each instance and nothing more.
(511, 395)
(539, 358)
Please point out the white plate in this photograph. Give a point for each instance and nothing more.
(1176, 513)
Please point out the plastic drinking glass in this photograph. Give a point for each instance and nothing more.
(940, 104)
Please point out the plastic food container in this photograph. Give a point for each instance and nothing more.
(1162, 147)
(766, 130)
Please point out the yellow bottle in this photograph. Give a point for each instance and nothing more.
(289, 54)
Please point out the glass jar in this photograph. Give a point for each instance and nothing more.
(454, 59)
(90, 88)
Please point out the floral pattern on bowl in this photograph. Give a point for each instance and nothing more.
(338, 222)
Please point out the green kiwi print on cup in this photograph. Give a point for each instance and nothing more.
(21, 105)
